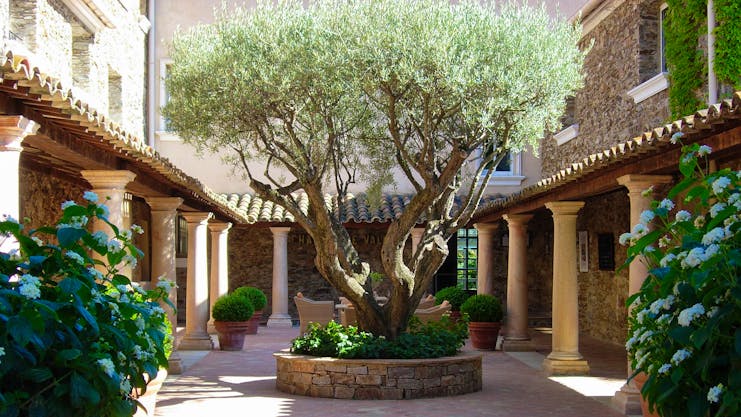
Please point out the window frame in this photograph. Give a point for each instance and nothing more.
(469, 278)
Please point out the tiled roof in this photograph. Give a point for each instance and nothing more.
(56, 102)
(728, 112)
(356, 209)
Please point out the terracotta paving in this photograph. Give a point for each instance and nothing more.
(221, 384)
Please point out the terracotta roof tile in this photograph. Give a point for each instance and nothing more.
(57, 96)
(717, 114)
(354, 209)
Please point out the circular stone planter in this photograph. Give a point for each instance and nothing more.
(378, 379)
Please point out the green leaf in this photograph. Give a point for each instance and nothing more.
(700, 336)
(738, 342)
(75, 210)
(697, 405)
(20, 329)
(69, 354)
(85, 314)
(679, 188)
(681, 334)
(37, 375)
(81, 391)
(36, 260)
(70, 285)
(69, 235)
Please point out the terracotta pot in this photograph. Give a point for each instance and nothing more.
(149, 399)
(231, 334)
(484, 334)
(639, 380)
(254, 322)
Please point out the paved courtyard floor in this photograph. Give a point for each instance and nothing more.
(222, 384)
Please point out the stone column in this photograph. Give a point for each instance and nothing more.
(196, 303)
(219, 265)
(110, 186)
(13, 129)
(565, 358)
(279, 316)
(163, 213)
(627, 400)
(485, 263)
(517, 338)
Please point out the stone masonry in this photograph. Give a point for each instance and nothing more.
(378, 379)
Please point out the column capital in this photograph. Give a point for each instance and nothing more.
(277, 231)
(517, 219)
(197, 216)
(564, 207)
(13, 129)
(164, 203)
(484, 228)
(218, 227)
(105, 179)
(638, 183)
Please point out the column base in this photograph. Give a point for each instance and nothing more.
(514, 345)
(565, 367)
(280, 321)
(198, 342)
(174, 364)
(210, 329)
(628, 400)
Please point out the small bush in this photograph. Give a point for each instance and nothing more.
(255, 295)
(232, 307)
(431, 340)
(456, 297)
(483, 307)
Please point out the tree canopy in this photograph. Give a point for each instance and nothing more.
(337, 92)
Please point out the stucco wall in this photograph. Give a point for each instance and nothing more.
(605, 113)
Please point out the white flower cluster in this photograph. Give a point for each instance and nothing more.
(664, 369)
(75, 222)
(680, 356)
(715, 392)
(107, 366)
(101, 238)
(68, 203)
(30, 286)
(75, 257)
(688, 314)
(90, 196)
(166, 285)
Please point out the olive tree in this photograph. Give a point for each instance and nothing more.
(325, 95)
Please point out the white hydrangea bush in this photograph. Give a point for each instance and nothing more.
(685, 322)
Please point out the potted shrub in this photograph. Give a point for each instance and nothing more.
(484, 314)
(456, 296)
(231, 315)
(258, 300)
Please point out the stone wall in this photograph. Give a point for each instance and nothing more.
(602, 294)
(251, 262)
(540, 268)
(64, 49)
(605, 113)
(42, 195)
(378, 379)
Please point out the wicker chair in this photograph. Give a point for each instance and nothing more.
(310, 311)
(427, 302)
(348, 314)
(435, 313)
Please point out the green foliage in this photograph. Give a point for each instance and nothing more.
(255, 295)
(483, 307)
(685, 22)
(455, 296)
(232, 307)
(431, 340)
(728, 42)
(76, 336)
(685, 320)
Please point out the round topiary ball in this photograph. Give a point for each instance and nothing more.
(483, 308)
(232, 307)
(456, 297)
(255, 295)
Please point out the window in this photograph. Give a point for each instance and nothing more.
(651, 57)
(181, 236)
(508, 172)
(466, 258)
(164, 132)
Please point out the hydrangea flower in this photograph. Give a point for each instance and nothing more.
(704, 150)
(680, 355)
(107, 366)
(715, 392)
(137, 229)
(675, 137)
(165, 284)
(666, 204)
(29, 286)
(647, 216)
(101, 238)
(713, 236)
(114, 246)
(625, 238)
(721, 184)
(639, 230)
(716, 208)
(68, 203)
(694, 258)
(665, 368)
(75, 257)
(90, 196)
(688, 314)
(682, 216)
